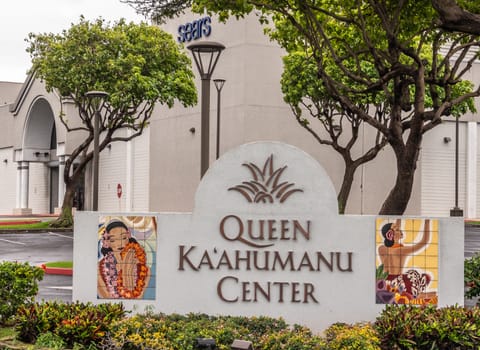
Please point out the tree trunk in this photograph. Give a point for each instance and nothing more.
(66, 218)
(398, 198)
(346, 187)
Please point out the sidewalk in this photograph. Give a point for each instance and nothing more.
(31, 216)
(11, 219)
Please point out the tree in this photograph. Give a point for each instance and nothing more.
(137, 64)
(326, 121)
(459, 16)
(395, 51)
(389, 57)
(456, 16)
(159, 10)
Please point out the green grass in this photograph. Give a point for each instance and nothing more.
(37, 225)
(473, 223)
(62, 264)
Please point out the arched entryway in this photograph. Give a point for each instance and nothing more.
(40, 164)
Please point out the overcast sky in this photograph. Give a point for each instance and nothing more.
(18, 18)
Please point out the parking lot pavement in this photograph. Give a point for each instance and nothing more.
(55, 287)
(472, 240)
(36, 249)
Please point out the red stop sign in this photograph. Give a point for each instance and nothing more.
(119, 190)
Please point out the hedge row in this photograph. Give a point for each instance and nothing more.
(106, 327)
(79, 325)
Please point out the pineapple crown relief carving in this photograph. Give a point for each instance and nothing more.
(266, 185)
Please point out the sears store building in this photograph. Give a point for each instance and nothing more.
(160, 170)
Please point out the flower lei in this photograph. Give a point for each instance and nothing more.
(109, 274)
(140, 275)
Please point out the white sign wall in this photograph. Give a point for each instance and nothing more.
(265, 239)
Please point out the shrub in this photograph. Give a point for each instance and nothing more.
(19, 285)
(180, 332)
(50, 341)
(360, 336)
(397, 325)
(298, 338)
(426, 327)
(81, 323)
(457, 327)
(472, 276)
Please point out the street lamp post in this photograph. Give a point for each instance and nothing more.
(218, 85)
(456, 211)
(205, 55)
(98, 98)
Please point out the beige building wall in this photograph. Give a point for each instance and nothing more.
(112, 172)
(8, 171)
(137, 177)
(252, 109)
(125, 164)
(438, 170)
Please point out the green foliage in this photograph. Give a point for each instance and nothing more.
(19, 285)
(426, 327)
(7, 332)
(360, 336)
(132, 62)
(180, 332)
(161, 10)
(81, 323)
(380, 273)
(297, 338)
(140, 67)
(472, 6)
(50, 341)
(85, 326)
(472, 276)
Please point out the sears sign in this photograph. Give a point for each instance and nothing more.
(194, 30)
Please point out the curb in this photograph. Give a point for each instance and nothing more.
(56, 270)
(18, 222)
(33, 230)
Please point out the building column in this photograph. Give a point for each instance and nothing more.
(471, 171)
(61, 183)
(22, 189)
(24, 170)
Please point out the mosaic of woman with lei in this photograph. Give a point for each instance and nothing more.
(122, 271)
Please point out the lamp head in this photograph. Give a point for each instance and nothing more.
(219, 83)
(205, 55)
(96, 94)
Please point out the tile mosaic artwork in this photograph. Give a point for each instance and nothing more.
(406, 261)
(127, 248)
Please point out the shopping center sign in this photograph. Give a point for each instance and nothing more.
(258, 242)
(265, 238)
